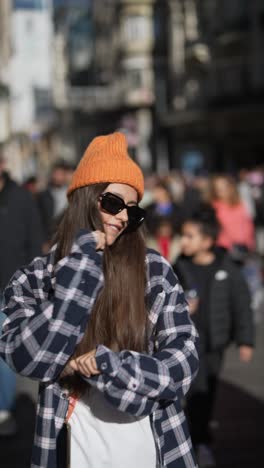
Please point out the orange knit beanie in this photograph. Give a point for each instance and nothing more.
(106, 160)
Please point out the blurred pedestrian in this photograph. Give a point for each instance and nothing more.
(256, 179)
(246, 192)
(196, 191)
(32, 185)
(220, 307)
(20, 241)
(236, 225)
(53, 201)
(103, 325)
(165, 241)
(69, 171)
(161, 207)
(150, 183)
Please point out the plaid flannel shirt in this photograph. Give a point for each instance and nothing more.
(48, 305)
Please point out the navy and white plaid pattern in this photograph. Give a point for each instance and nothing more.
(48, 307)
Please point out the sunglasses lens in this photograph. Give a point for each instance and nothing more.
(136, 215)
(111, 203)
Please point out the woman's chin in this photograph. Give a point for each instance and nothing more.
(110, 238)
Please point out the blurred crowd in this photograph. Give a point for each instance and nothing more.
(169, 200)
(211, 229)
(173, 197)
(238, 203)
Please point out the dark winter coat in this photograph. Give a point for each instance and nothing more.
(20, 229)
(230, 315)
(46, 209)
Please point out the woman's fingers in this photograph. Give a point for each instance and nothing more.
(88, 364)
(78, 366)
(74, 365)
(85, 364)
(68, 370)
(84, 368)
(100, 240)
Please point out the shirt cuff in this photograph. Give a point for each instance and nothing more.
(107, 361)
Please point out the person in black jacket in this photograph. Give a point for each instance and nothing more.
(20, 242)
(219, 303)
(52, 201)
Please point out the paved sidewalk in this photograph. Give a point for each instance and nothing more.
(15, 452)
(240, 435)
(240, 410)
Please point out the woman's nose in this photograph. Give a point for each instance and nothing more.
(123, 216)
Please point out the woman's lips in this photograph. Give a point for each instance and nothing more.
(114, 227)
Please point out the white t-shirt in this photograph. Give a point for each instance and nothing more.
(103, 437)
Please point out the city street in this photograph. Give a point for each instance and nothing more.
(128, 125)
(238, 421)
(240, 410)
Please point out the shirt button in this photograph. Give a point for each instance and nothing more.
(64, 395)
(134, 386)
(104, 366)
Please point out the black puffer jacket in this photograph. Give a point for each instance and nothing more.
(230, 315)
(20, 229)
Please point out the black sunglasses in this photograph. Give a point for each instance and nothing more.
(113, 204)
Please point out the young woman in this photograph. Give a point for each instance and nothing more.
(237, 228)
(102, 323)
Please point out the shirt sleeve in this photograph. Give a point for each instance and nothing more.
(139, 383)
(44, 322)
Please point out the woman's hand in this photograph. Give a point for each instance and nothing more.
(85, 364)
(245, 353)
(67, 371)
(100, 240)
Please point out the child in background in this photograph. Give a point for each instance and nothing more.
(165, 241)
(219, 302)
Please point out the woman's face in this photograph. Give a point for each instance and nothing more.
(114, 225)
(222, 189)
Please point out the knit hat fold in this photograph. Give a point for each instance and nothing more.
(106, 159)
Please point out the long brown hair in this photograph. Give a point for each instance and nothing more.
(119, 316)
(233, 194)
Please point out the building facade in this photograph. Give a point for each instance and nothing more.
(104, 73)
(183, 78)
(32, 63)
(214, 101)
(5, 55)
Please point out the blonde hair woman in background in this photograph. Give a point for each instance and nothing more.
(236, 225)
